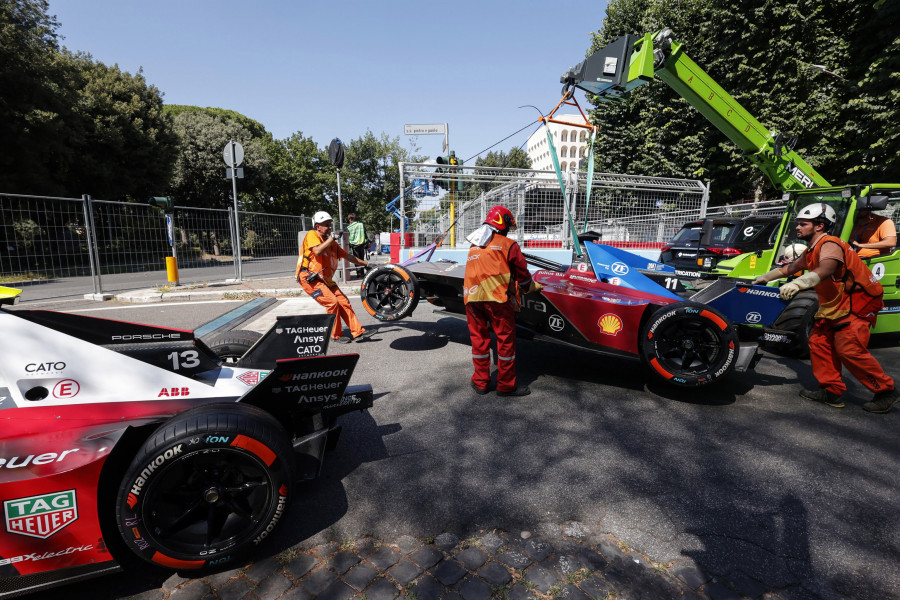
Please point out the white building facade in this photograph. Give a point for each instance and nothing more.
(571, 144)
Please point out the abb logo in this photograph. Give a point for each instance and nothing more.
(175, 391)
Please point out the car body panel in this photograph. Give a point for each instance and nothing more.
(71, 396)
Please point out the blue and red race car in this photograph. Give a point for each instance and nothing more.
(119, 435)
(687, 327)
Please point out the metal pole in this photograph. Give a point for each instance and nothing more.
(236, 239)
(400, 218)
(340, 226)
(231, 227)
(171, 231)
(704, 201)
(93, 251)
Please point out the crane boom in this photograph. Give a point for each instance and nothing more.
(631, 61)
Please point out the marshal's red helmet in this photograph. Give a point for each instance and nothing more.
(500, 218)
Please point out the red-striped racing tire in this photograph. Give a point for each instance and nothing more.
(389, 292)
(689, 344)
(209, 485)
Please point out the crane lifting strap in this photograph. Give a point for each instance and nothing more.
(569, 99)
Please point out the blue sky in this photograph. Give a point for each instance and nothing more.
(337, 68)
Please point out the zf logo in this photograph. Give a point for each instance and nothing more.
(556, 322)
(619, 268)
(753, 317)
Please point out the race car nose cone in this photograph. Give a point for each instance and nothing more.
(211, 495)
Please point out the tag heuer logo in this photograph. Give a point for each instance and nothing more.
(250, 377)
(41, 516)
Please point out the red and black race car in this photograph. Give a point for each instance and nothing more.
(119, 434)
(689, 328)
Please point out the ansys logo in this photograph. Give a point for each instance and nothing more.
(41, 516)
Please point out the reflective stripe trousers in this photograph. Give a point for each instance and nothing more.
(335, 303)
(482, 317)
(831, 348)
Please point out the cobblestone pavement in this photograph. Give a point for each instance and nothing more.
(566, 562)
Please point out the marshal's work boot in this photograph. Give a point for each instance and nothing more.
(521, 390)
(882, 402)
(824, 396)
(478, 390)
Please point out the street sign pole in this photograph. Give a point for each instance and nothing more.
(234, 156)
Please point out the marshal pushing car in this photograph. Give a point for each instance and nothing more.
(119, 435)
(688, 330)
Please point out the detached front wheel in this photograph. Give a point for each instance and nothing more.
(389, 292)
(208, 486)
(689, 344)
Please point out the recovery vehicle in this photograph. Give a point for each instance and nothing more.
(631, 61)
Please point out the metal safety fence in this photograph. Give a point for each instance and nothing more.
(626, 210)
(66, 246)
(58, 247)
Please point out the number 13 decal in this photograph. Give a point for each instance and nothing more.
(184, 360)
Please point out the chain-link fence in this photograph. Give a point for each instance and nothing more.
(91, 246)
(627, 210)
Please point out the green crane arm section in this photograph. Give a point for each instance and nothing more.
(631, 61)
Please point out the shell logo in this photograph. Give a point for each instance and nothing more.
(610, 324)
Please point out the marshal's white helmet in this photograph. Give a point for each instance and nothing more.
(322, 216)
(818, 210)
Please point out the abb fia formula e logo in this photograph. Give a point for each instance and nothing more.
(41, 516)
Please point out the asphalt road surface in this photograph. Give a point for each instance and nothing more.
(747, 476)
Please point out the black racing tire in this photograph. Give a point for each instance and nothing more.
(797, 317)
(207, 487)
(389, 292)
(230, 346)
(689, 344)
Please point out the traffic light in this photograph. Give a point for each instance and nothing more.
(439, 172)
(449, 179)
(456, 182)
(167, 203)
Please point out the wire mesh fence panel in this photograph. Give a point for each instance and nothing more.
(269, 243)
(624, 209)
(43, 239)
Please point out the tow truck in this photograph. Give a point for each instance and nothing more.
(631, 61)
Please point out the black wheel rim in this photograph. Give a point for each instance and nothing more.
(208, 501)
(689, 345)
(387, 293)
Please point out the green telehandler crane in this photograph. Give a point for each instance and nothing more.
(631, 61)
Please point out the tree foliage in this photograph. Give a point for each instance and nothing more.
(120, 143)
(516, 158)
(198, 178)
(299, 175)
(760, 52)
(77, 126)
